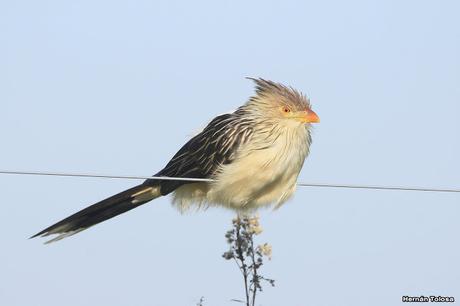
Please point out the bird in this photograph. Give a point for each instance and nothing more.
(252, 158)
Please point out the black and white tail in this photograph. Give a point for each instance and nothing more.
(101, 211)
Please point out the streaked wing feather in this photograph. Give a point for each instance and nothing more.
(201, 156)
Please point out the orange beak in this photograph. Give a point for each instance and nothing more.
(310, 117)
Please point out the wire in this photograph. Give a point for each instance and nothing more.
(129, 177)
(191, 179)
(376, 187)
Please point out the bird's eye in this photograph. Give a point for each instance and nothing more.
(286, 109)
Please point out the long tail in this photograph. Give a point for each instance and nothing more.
(101, 211)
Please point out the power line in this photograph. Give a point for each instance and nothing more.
(377, 187)
(190, 179)
(129, 177)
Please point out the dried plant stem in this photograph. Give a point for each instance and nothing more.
(255, 275)
(247, 256)
(239, 252)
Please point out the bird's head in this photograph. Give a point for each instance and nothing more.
(274, 101)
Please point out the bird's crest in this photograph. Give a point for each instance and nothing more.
(272, 90)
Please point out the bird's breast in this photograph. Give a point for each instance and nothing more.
(261, 177)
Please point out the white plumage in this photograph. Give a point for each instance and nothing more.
(256, 178)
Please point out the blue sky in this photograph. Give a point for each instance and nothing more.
(118, 86)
